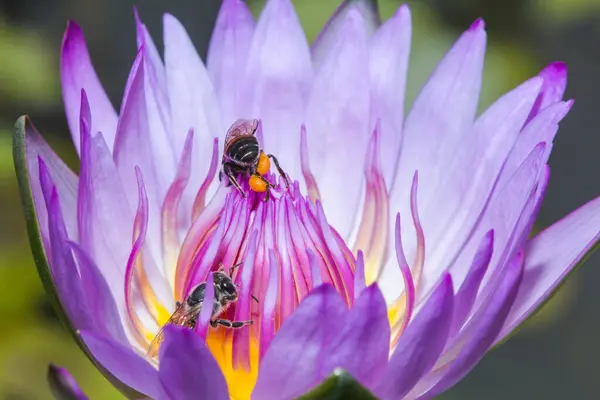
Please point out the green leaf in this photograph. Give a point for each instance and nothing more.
(22, 127)
(339, 386)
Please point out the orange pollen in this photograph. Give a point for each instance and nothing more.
(257, 184)
(264, 164)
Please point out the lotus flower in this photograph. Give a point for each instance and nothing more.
(398, 256)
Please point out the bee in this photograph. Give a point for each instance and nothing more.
(187, 312)
(242, 154)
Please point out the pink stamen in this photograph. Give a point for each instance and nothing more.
(309, 179)
(359, 275)
(200, 199)
(414, 211)
(409, 285)
(170, 209)
(267, 319)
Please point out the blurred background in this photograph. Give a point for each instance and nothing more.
(554, 357)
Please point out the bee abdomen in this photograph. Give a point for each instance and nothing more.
(244, 150)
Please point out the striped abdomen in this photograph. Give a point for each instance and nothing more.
(244, 151)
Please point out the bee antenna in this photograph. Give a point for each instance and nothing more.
(254, 298)
(234, 267)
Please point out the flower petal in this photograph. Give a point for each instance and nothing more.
(193, 102)
(420, 345)
(441, 115)
(555, 83)
(330, 34)
(133, 148)
(465, 192)
(228, 52)
(388, 56)
(125, 365)
(28, 147)
(76, 73)
(291, 364)
(158, 108)
(188, 371)
(362, 344)
(337, 118)
(465, 296)
(278, 81)
(486, 325)
(550, 256)
(62, 265)
(21, 154)
(101, 303)
(63, 385)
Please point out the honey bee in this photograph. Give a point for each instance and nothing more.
(242, 154)
(187, 312)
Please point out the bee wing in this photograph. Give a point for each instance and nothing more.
(241, 127)
(179, 317)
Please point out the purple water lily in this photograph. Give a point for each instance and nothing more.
(399, 253)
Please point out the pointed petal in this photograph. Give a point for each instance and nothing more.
(555, 83)
(63, 385)
(193, 102)
(420, 345)
(125, 365)
(363, 342)
(62, 265)
(551, 256)
(187, 370)
(133, 148)
(228, 53)
(40, 247)
(487, 323)
(158, 108)
(337, 118)
(331, 32)
(465, 296)
(76, 73)
(466, 193)
(278, 81)
(388, 66)
(300, 342)
(442, 114)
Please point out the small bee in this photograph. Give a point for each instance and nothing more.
(187, 313)
(242, 154)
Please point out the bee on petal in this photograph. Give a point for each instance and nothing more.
(243, 155)
(187, 312)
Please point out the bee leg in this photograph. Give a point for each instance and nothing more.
(232, 179)
(230, 324)
(272, 157)
(269, 186)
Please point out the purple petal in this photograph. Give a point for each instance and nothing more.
(62, 265)
(97, 292)
(362, 344)
(106, 221)
(278, 81)
(327, 39)
(420, 345)
(76, 73)
(441, 115)
(550, 256)
(465, 297)
(158, 108)
(188, 371)
(487, 323)
(133, 148)
(388, 56)
(291, 364)
(193, 102)
(228, 51)
(465, 192)
(553, 89)
(542, 128)
(125, 365)
(346, 126)
(63, 385)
